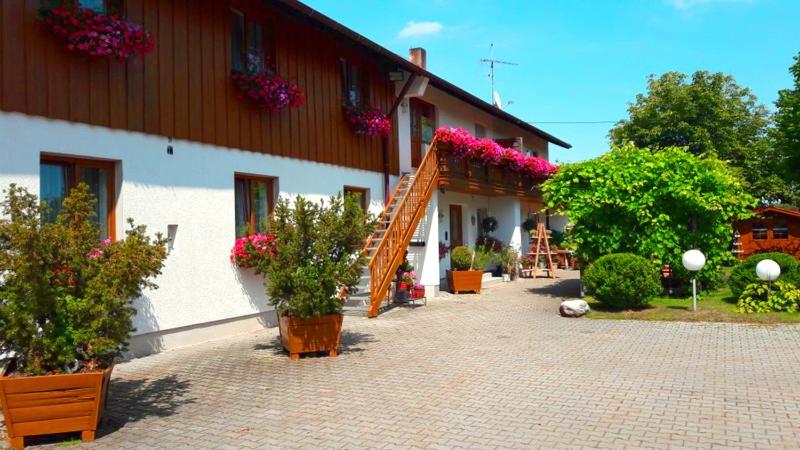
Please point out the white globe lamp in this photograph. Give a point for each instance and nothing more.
(768, 270)
(694, 260)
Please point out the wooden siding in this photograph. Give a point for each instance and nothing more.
(183, 89)
(750, 246)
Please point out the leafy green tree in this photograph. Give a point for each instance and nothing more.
(708, 114)
(65, 297)
(787, 131)
(653, 204)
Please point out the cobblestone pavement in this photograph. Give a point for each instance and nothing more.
(496, 370)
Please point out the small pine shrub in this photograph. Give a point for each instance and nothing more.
(623, 281)
(744, 274)
(461, 258)
(65, 296)
(761, 298)
(317, 254)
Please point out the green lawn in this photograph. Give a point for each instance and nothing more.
(717, 306)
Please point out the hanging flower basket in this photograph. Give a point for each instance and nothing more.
(85, 31)
(269, 90)
(247, 251)
(368, 121)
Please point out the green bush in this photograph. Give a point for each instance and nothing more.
(461, 258)
(623, 281)
(482, 258)
(65, 297)
(760, 297)
(744, 273)
(317, 253)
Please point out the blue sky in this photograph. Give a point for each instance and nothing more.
(583, 60)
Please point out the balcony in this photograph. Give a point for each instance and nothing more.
(470, 177)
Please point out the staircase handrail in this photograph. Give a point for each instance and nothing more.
(380, 282)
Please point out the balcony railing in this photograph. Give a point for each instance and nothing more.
(474, 177)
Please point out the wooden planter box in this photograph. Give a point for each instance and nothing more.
(51, 404)
(465, 280)
(317, 334)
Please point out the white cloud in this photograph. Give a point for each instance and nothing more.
(414, 29)
(688, 4)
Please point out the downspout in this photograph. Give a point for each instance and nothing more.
(385, 140)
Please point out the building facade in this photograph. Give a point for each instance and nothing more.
(168, 140)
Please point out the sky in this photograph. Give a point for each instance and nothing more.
(583, 61)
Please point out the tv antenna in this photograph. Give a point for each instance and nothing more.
(491, 61)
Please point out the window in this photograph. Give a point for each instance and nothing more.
(251, 50)
(354, 84)
(361, 193)
(780, 231)
(759, 232)
(480, 131)
(254, 202)
(423, 126)
(57, 175)
(98, 6)
(102, 6)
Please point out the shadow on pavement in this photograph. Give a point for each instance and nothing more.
(560, 288)
(350, 342)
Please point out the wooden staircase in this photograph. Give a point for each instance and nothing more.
(396, 226)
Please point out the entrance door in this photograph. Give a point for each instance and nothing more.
(456, 227)
(423, 124)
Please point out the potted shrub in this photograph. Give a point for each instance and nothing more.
(467, 269)
(509, 259)
(316, 259)
(65, 311)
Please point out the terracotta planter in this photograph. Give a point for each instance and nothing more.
(465, 280)
(51, 404)
(317, 334)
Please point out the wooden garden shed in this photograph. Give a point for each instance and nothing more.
(771, 229)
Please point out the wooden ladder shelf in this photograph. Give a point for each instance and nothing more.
(536, 251)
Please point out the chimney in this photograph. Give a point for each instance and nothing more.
(418, 56)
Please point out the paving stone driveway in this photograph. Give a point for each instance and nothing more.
(496, 370)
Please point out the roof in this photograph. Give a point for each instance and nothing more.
(776, 210)
(330, 24)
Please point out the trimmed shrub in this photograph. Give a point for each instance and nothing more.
(622, 281)
(761, 298)
(744, 274)
(461, 258)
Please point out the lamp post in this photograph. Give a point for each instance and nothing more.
(693, 261)
(769, 271)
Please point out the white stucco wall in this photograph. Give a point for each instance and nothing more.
(193, 188)
(507, 212)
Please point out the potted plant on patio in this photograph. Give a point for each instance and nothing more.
(65, 311)
(509, 258)
(316, 257)
(467, 269)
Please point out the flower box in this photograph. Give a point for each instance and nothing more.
(50, 404)
(86, 31)
(368, 121)
(465, 280)
(315, 334)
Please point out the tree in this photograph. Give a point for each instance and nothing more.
(786, 133)
(653, 204)
(65, 297)
(708, 114)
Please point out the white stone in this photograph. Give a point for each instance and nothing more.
(573, 308)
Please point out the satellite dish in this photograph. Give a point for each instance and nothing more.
(497, 102)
